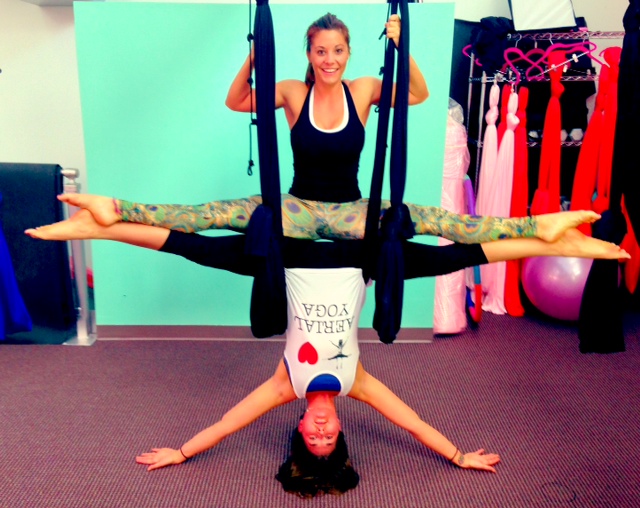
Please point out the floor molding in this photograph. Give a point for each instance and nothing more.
(238, 333)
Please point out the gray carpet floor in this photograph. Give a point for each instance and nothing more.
(566, 425)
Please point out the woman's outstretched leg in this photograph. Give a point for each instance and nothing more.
(571, 244)
(227, 214)
(225, 253)
(83, 226)
(436, 221)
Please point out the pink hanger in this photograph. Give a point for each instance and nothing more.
(533, 57)
(564, 48)
(584, 48)
(465, 52)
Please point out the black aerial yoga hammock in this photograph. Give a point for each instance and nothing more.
(396, 225)
(264, 235)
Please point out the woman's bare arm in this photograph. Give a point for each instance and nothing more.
(274, 392)
(370, 390)
(241, 96)
(367, 90)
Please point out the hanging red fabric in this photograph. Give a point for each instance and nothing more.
(593, 171)
(585, 177)
(630, 244)
(519, 202)
(494, 190)
(612, 57)
(547, 197)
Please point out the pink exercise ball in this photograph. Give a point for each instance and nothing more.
(555, 285)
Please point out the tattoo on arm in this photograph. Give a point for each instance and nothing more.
(461, 460)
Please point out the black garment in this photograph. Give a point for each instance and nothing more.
(489, 41)
(600, 327)
(326, 163)
(625, 160)
(228, 253)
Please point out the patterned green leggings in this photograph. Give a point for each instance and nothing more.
(314, 220)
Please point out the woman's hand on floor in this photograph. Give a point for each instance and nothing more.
(478, 460)
(160, 457)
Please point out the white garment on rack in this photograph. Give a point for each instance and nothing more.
(449, 314)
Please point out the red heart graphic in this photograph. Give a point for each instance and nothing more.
(308, 354)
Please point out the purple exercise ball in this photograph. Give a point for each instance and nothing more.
(555, 284)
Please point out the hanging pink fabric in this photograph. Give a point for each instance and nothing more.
(494, 274)
(547, 196)
(519, 202)
(449, 315)
(504, 110)
(487, 179)
(489, 154)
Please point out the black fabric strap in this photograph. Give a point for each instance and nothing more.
(264, 235)
(372, 225)
(396, 223)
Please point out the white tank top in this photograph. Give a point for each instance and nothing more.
(324, 305)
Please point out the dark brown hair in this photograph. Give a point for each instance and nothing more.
(327, 22)
(308, 475)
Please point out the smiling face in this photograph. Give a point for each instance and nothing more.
(319, 428)
(328, 55)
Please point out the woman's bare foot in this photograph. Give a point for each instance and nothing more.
(82, 226)
(575, 244)
(551, 226)
(102, 208)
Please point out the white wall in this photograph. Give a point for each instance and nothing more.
(40, 118)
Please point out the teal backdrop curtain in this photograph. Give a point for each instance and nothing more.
(153, 80)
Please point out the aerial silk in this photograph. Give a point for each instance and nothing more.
(587, 172)
(488, 163)
(504, 110)
(396, 226)
(489, 153)
(630, 244)
(501, 205)
(519, 202)
(494, 195)
(547, 196)
(264, 236)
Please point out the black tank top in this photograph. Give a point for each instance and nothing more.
(325, 164)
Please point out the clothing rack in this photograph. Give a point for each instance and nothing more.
(580, 35)
(484, 80)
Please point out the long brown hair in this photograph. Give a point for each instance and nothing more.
(327, 22)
